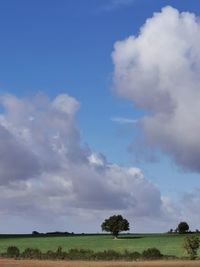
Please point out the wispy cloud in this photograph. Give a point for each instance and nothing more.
(123, 120)
(115, 4)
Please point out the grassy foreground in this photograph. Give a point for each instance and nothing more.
(166, 243)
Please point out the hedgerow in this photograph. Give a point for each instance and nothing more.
(81, 254)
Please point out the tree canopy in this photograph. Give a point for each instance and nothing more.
(115, 224)
(183, 227)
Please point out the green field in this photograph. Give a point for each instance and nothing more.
(166, 243)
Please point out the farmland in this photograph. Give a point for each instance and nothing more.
(168, 244)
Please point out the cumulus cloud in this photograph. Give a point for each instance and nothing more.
(46, 172)
(18, 165)
(159, 70)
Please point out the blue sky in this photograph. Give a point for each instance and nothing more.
(65, 47)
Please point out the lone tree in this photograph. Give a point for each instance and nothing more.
(191, 245)
(183, 228)
(115, 224)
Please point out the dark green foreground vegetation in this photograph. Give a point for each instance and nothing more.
(81, 254)
(168, 244)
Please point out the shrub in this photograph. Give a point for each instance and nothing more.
(13, 252)
(80, 254)
(127, 255)
(108, 255)
(59, 254)
(152, 254)
(49, 255)
(191, 245)
(32, 253)
(134, 255)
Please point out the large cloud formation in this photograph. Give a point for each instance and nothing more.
(159, 70)
(46, 172)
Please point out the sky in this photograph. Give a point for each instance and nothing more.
(99, 114)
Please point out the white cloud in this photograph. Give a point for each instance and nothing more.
(123, 120)
(46, 173)
(159, 70)
(97, 159)
(66, 104)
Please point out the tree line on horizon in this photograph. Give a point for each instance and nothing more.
(116, 224)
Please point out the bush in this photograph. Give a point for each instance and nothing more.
(191, 245)
(49, 255)
(59, 254)
(108, 255)
(131, 255)
(13, 252)
(135, 255)
(152, 254)
(80, 254)
(32, 253)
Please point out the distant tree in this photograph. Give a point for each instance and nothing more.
(191, 245)
(115, 224)
(35, 233)
(183, 228)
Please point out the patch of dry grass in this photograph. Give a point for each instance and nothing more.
(36, 263)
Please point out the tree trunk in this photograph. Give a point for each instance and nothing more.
(115, 235)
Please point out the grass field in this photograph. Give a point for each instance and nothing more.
(166, 243)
